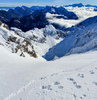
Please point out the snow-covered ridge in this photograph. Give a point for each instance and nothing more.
(82, 39)
(42, 39)
(13, 42)
(34, 42)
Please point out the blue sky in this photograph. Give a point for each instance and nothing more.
(44, 2)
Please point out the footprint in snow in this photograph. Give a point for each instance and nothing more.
(91, 72)
(83, 96)
(71, 79)
(75, 83)
(60, 87)
(54, 74)
(56, 83)
(43, 78)
(95, 83)
(81, 75)
(78, 86)
(74, 96)
(47, 87)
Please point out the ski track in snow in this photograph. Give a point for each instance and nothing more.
(74, 84)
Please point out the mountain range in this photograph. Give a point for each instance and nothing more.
(38, 28)
(48, 53)
(80, 5)
(26, 18)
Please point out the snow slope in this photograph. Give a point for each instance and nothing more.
(42, 39)
(72, 77)
(15, 43)
(81, 39)
(36, 41)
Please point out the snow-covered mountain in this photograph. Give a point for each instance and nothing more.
(34, 42)
(40, 18)
(82, 38)
(48, 25)
(42, 39)
(54, 33)
(15, 43)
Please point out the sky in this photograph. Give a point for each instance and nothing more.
(44, 2)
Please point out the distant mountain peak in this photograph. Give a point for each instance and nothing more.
(75, 5)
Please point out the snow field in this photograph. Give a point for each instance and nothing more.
(69, 78)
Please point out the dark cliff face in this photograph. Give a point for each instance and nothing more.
(36, 19)
(21, 11)
(6, 16)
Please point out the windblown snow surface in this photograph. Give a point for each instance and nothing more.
(72, 77)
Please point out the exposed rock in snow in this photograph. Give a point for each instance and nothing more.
(15, 43)
(42, 39)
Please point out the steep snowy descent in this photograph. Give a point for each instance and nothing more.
(15, 43)
(42, 39)
(72, 77)
(82, 39)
